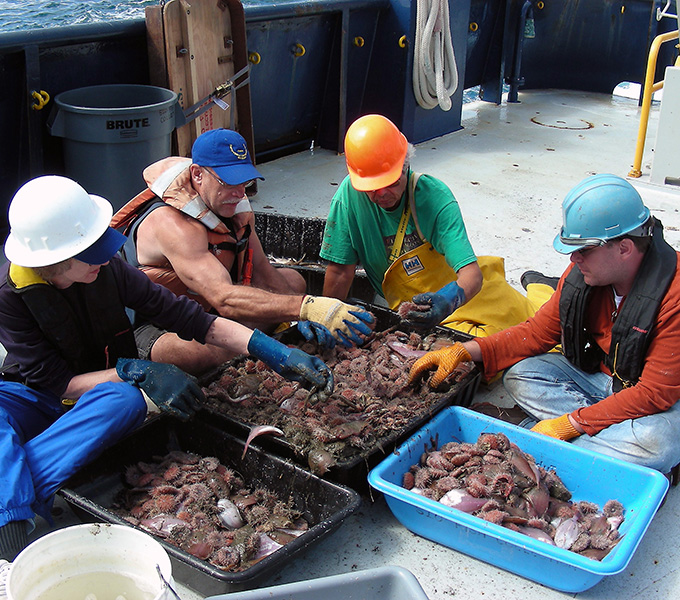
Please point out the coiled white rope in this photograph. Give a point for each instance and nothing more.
(435, 74)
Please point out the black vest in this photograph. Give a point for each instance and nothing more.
(87, 323)
(633, 328)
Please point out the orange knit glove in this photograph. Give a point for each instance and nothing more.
(559, 428)
(446, 360)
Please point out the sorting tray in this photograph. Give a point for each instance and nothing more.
(352, 471)
(383, 583)
(324, 504)
(588, 475)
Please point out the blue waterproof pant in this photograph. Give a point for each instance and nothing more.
(549, 386)
(41, 446)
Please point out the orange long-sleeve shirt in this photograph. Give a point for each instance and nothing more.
(659, 385)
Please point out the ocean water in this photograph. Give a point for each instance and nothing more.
(17, 15)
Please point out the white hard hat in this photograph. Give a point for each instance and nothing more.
(53, 218)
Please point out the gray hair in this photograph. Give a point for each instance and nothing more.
(49, 272)
(410, 153)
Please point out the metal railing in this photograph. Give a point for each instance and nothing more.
(648, 92)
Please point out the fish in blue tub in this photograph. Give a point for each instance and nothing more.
(495, 480)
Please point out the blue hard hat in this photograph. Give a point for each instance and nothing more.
(600, 208)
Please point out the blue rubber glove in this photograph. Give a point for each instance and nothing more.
(316, 331)
(357, 331)
(168, 387)
(442, 304)
(292, 363)
(349, 324)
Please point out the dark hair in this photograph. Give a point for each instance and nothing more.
(642, 242)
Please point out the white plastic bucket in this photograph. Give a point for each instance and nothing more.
(99, 560)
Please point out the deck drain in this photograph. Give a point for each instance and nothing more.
(573, 124)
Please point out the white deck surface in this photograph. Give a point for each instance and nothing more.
(509, 175)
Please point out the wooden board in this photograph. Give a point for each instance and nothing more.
(204, 43)
(155, 44)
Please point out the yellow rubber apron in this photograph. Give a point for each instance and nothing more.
(497, 306)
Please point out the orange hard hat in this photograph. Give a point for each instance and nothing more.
(375, 151)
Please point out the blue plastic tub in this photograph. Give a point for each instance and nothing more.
(588, 475)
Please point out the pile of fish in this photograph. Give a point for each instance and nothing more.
(495, 481)
(372, 399)
(405, 308)
(204, 508)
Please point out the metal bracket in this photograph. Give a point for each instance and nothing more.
(228, 87)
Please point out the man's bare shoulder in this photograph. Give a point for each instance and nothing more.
(166, 234)
(165, 218)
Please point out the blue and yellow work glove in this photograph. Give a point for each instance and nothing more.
(442, 304)
(316, 331)
(167, 386)
(445, 359)
(292, 363)
(559, 428)
(348, 324)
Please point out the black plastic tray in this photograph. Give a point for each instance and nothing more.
(324, 504)
(353, 471)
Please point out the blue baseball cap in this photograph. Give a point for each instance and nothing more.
(103, 249)
(226, 153)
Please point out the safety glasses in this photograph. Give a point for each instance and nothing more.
(226, 185)
(586, 244)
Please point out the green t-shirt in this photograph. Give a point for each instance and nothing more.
(359, 231)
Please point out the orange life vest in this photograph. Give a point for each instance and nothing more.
(169, 182)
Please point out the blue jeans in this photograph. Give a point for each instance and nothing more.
(548, 386)
(41, 446)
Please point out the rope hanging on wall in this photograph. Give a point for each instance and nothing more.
(435, 74)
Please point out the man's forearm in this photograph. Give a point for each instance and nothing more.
(249, 304)
(338, 280)
(474, 350)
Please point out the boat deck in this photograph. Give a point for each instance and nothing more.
(509, 168)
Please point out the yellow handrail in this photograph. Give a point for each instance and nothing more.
(649, 89)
